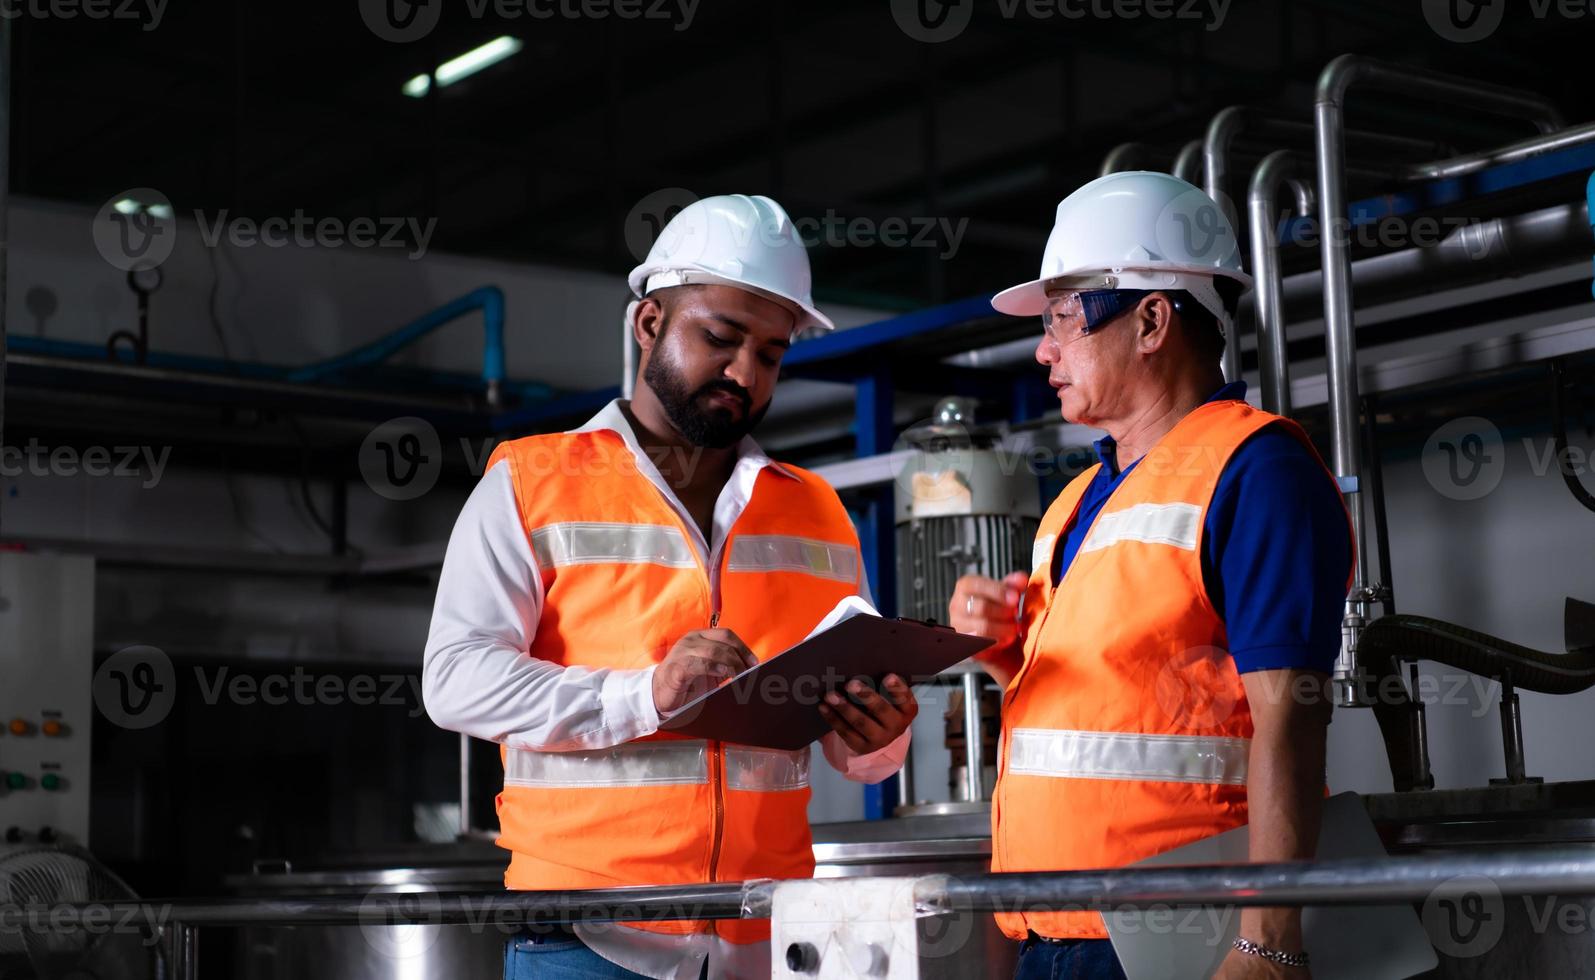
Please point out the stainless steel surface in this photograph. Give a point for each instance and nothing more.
(465, 785)
(1329, 119)
(974, 734)
(1461, 166)
(1514, 871)
(1512, 733)
(949, 808)
(1359, 881)
(1125, 156)
(1269, 303)
(1188, 165)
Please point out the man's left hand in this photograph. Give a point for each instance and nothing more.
(876, 721)
(1244, 966)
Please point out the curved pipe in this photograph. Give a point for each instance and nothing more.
(488, 299)
(1188, 165)
(1276, 171)
(1123, 157)
(1228, 125)
(1407, 638)
(1334, 83)
(1559, 430)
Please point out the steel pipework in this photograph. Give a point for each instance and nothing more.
(1334, 83)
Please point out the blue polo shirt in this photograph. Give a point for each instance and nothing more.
(1276, 552)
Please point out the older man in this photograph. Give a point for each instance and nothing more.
(1166, 658)
(601, 578)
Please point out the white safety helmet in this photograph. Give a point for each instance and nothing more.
(1134, 230)
(733, 240)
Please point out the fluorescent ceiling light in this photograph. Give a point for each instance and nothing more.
(128, 205)
(464, 66)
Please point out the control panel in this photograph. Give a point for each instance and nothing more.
(46, 697)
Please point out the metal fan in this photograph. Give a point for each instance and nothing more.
(43, 878)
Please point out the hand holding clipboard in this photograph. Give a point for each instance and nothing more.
(776, 703)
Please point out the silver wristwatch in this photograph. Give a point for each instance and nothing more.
(1272, 955)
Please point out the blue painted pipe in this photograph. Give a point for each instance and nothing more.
(488, 299)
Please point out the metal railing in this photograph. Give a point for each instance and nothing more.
(1561, 871)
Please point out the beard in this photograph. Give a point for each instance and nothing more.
(699, 421)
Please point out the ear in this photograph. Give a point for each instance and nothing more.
(647, 322)
(1154, 323)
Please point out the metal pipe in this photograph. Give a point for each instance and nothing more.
(488, 299)
(1188, 165)
(974, 750)
(1472, 163)
(628, 354)
(1512, 733)
(185, 951)
(465, 786)
(1122, 157)
(1392, 880)
(1360, 881)
(1329, 120)
(1226, 126)
(1273, 358)
(905, 781)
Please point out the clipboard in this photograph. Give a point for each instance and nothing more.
(775, 704)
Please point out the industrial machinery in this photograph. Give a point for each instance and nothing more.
(964, 506)
(46, 662)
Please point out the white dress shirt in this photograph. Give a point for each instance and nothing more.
(479, 679)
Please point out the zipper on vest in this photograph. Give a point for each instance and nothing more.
(717, 782)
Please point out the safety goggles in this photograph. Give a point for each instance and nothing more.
(1074, 315)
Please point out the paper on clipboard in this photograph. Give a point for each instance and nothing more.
(776, 703)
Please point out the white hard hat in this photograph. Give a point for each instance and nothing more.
(1134, 230)
(733, 240)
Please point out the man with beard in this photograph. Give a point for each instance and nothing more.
(601, 578)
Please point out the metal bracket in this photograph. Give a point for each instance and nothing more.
(855, 927)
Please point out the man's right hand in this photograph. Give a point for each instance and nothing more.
(699, 662)
(986, 607)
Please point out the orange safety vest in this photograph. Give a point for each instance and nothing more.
(1126, 731)
(622, 583)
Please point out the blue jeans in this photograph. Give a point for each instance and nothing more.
(1073, 959)
(544, 955)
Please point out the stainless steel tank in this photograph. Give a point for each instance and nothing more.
(406, 952)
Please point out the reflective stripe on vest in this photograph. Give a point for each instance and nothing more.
(587, 543)
(784, 553)
(1041, 551)
(1124, 755)
(667, 763)
(1174, 524)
